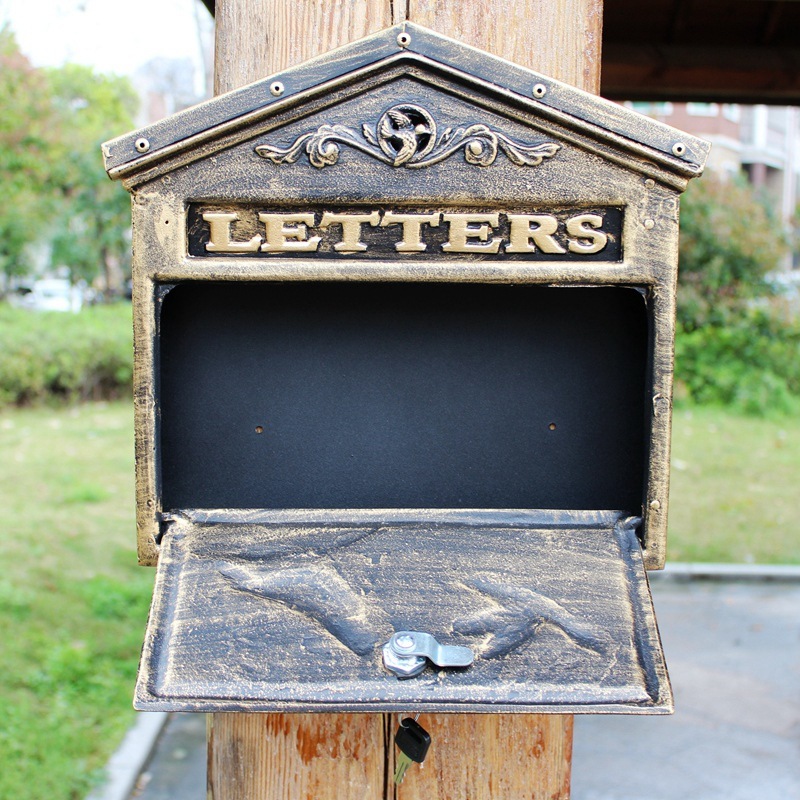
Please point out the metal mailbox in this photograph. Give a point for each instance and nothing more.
(404, 334)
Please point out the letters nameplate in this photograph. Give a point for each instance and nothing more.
(562, 234)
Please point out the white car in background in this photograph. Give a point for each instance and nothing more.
(50, 294)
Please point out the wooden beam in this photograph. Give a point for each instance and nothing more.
(560, 38)
(257, 37)
(297, 756)
(493, 757)
(482, 757)
(680, 73)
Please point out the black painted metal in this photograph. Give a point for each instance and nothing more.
(379, 54)
(402, 395)
(381, 241)
(263, 611)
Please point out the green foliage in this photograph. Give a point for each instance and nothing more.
(729, 242)
(59, 356)
(733, 346)
(752, 363)
(92, 229)
(26, 132)
(54, 188)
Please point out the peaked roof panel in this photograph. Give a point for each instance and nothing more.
(414, 45)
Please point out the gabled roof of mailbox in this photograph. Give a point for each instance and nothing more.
(137, 152)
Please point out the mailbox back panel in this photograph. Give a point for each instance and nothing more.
(402, 395)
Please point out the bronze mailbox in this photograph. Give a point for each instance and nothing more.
(404, 334)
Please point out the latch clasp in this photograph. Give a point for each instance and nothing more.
(406, 654)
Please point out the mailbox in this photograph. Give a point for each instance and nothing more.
(404, 322)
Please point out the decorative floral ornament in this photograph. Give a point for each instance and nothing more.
(406, 136)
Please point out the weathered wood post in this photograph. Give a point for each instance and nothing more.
(297, 756)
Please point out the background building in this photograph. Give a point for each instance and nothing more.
(762, 142)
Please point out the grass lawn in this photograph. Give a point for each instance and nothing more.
(735, 492)
(73, 602)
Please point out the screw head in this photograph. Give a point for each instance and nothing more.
(142, 145)
(404, 39)
(404, 641)
(402, 666)
(655, 505)
(539, 90)
(679, 149)
(276, 88)
(649, 224)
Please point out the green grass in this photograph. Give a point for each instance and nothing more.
(735, 488)
(73, 602)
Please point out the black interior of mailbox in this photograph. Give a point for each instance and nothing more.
(402, 395)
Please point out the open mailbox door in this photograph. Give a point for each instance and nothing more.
(404, 319)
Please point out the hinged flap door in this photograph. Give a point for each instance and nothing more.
(269, 611)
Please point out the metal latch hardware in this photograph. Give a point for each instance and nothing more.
(406, 654)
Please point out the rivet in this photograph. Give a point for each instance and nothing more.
(649, 224)
(276, 88)
(655, 505)
(650, 183)
(539, 90)
(679, 149)
(142, 145)
(404, 39)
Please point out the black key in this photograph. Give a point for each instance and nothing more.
(413, 741)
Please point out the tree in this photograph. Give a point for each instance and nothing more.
(91, 233)
(26, 133)
(729, 243)
(733, 345)
(53, 184)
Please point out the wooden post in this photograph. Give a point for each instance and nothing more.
(351, 756)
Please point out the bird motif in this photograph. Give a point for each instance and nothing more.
(397, 125)
(319, 592)
(516, 614)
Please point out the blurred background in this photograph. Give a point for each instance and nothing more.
(73, 603)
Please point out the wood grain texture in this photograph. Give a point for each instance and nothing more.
(559, 38)
(259, 37)
(256, 757)
(492, 756)
(279, 756)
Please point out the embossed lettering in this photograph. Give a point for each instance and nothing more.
(469, 233)
(351, 229)
(288, 233)
(412, 229)
(588, 239)
(529, 231)
(219, 225)
(537, 234)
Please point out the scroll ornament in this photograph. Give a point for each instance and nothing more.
(406, 136)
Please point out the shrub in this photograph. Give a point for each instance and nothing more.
(729, 242)
(752, 364)
(733, 345)
(65, 357)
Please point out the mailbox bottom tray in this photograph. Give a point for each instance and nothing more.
(289, 610)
